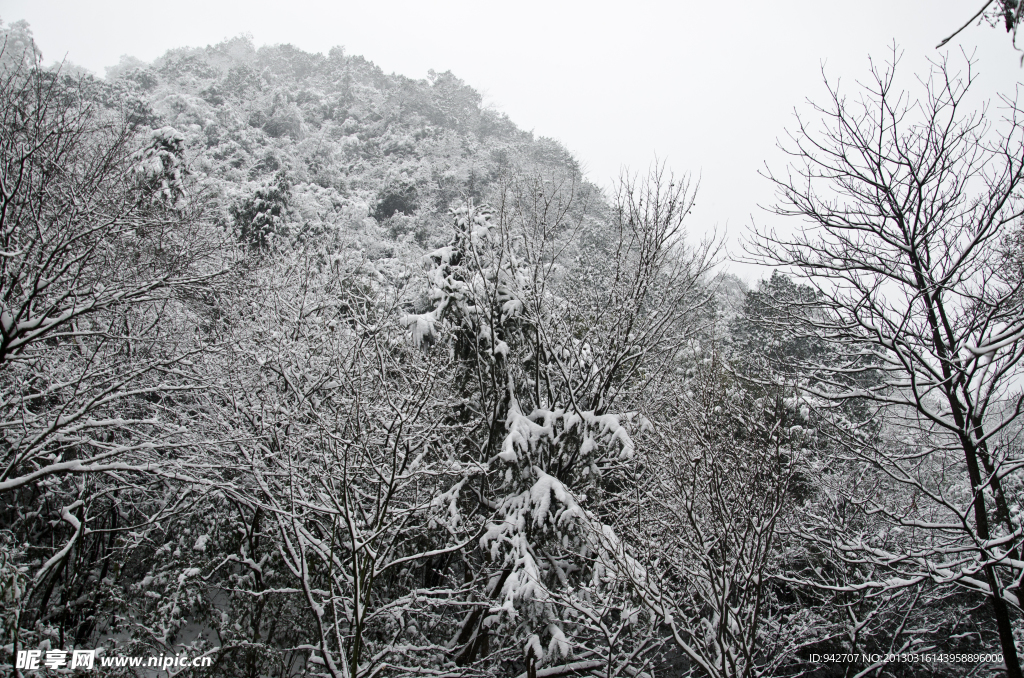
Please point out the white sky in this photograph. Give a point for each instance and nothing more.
(707, 87)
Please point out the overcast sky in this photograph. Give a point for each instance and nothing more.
(707, 87)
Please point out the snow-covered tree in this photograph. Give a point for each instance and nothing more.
(553, 354)
(161, 165)
(99, 289)
(260, 219)
(905, 204)
(719, 484)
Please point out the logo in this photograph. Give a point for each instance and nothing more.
(33, 660)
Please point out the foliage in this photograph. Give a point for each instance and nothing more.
(260, 219)
(161, 166)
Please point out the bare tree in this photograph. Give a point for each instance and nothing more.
(718, 483)
(100, 281)
(904, 203)
(341, 473)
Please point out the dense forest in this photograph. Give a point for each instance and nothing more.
(307, 369)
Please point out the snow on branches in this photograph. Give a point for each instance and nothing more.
(547, 460)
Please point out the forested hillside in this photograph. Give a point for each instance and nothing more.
(307, 369)
(333, 139)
